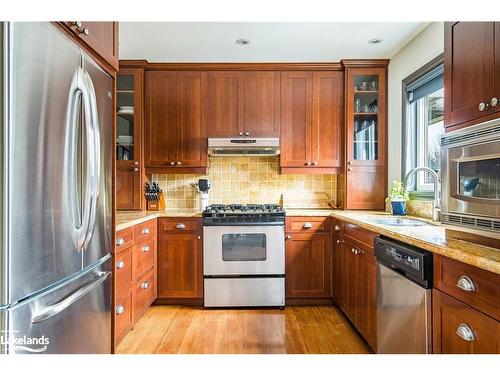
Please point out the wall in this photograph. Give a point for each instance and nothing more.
(419, 51)
(243, 180)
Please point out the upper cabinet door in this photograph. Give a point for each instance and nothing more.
(225, 104)
(469, 71)
(191, 147)
(262, 104)
(160, 127)
(296, 98)
(327, 108)
(497, 64)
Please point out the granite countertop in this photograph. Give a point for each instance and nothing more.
(432, 238)
(126, 219)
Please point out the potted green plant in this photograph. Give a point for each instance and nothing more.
(398, 198)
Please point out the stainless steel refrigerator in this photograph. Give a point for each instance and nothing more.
(56, 223)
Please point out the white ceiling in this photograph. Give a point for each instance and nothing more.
(270, 41)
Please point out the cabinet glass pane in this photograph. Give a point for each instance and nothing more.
(125, 117)
(365, 117)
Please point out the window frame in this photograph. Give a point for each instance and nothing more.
(416, 188)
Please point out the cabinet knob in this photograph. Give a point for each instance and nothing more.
(482, 106)
(120, 264)
(120, 241)
(199, 237)
(315, 163)
(85, 31)
(241, 134)
(349, 162)
(288, 237)
(466, 283)
(136, 163)
(307, 226)
(349, 169)
(494, 102)
(338, 241)
(308, 163)
(336, 227)
(465, 332)
(179, 163)
(136, 169)
(180, 226)
(247, 134)
(120, 310)
(146, 249)
(77, 24)
(172, 163)
(145, 285)
(145, 231)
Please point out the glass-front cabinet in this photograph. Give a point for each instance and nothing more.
(366, 125)
(129, 171)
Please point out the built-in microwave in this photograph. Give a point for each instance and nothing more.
(470, 167)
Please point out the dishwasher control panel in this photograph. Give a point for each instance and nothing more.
(414, 263)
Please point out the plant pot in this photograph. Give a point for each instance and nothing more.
(398, 208)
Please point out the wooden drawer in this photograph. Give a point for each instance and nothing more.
(361, 237)
(144, 230)
(124, 238)
(485, 286)
(143, 257)
(143, 295)
(460, 329)
(305, 224)
(123, 271)
(123, 316)
(180, 225)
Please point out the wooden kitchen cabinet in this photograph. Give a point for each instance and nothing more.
(101, 37)
(366, 127)
(180, 260)
(471, 73)
(311, 121)
(135, 273)
(461, 329)
(175, 122)
(358, 278)
(308, 259)
(129, 158)
(337, 261)
(243, 104)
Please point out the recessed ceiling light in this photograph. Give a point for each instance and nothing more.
(242, 42)
(375, 41)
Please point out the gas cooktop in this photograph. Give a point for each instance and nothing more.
(243, 214)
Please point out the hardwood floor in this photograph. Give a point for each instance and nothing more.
(297, 330)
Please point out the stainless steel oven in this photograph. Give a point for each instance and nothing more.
(471, 178)
(244, 256)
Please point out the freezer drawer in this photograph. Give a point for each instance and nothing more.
(403, 314)
(241, 291)
(73, 318)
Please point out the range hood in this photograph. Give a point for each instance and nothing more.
(243, 146)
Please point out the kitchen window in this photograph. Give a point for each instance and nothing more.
(423, 123)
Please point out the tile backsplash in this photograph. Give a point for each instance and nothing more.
(243, 180)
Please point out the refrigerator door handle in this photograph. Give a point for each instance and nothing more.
(52, 310)
(93, 157)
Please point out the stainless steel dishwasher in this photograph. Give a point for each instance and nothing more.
(404, 282)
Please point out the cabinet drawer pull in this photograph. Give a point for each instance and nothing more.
(466, 283)
(481, 107)
(179, 163)
(145, 231)
(307, 226)
(180, 226)
(145, 249)
(494, 102)
(120, 310)
(356, 251)
(120, 241)
(288, 237)
(120, 264)
(465, 332)
(338, 241)
(336, 227)
(145, 285)
(172, 163)
(199, 237)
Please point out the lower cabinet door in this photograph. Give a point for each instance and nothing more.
(143, 295)
(461, 329)
(348, 289)
(308, 265)
(180, 266)
(365, 315)
(123, 316)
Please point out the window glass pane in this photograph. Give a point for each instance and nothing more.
(244, 247)
(480, 179)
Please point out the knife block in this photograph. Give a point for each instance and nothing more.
(153, 205)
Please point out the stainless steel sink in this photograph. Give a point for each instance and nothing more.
(398, 222)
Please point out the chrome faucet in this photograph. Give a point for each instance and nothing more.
(436, 204)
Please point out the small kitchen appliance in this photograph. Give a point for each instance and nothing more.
(244, 255)
(203, 187)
